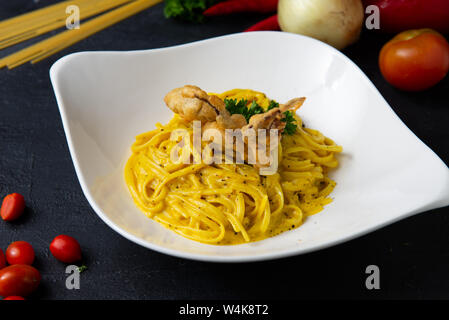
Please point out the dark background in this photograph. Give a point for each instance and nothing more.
(413, 255)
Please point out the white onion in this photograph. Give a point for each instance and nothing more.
(336, 22)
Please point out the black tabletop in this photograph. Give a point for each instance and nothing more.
(412, 255)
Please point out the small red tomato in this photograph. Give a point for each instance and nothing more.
(14, 298)
(18, 280)
(415, 60)
(65, 249)
(2, 259)
(20, 252)
(12, 207)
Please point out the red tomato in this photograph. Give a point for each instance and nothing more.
(20, 252)
(65, 249)
(18, 280)
(415, 60)
(12, 207)
(14, 298)
(2, 259)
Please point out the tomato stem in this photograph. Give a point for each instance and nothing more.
(82, 268)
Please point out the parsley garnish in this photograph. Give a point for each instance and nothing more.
(187, 10)
(241, 107)
(290, 126)
(234, 106)
(273, 104)
(254, 108)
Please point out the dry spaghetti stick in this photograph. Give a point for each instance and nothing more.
(58, 18)
(69, 37)
(23, 60)
(35, 13)
(70, 41)
(84, 13)
(22, 37)
(42, 20)
(41, 56)
(59, 14)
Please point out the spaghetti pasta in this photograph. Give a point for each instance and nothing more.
(30, 25)
(231, 203)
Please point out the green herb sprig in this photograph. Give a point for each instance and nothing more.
(241, 107)
(187, 10)
(290, 126)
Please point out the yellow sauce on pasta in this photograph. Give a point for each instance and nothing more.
(226, 204)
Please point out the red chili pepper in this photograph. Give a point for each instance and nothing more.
(14, 298)
(238, 6)
(400, 15)
(270, 23)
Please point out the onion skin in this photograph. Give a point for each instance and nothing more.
(336, 22)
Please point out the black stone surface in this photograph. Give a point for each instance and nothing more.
(413, 254)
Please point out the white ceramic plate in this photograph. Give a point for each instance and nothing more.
(107, 98)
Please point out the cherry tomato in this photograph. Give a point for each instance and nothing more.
(14, 298)
(18, 280)
(415, 60)
(2, 259)
(20, 252)
(65, 249)
(12, 207)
